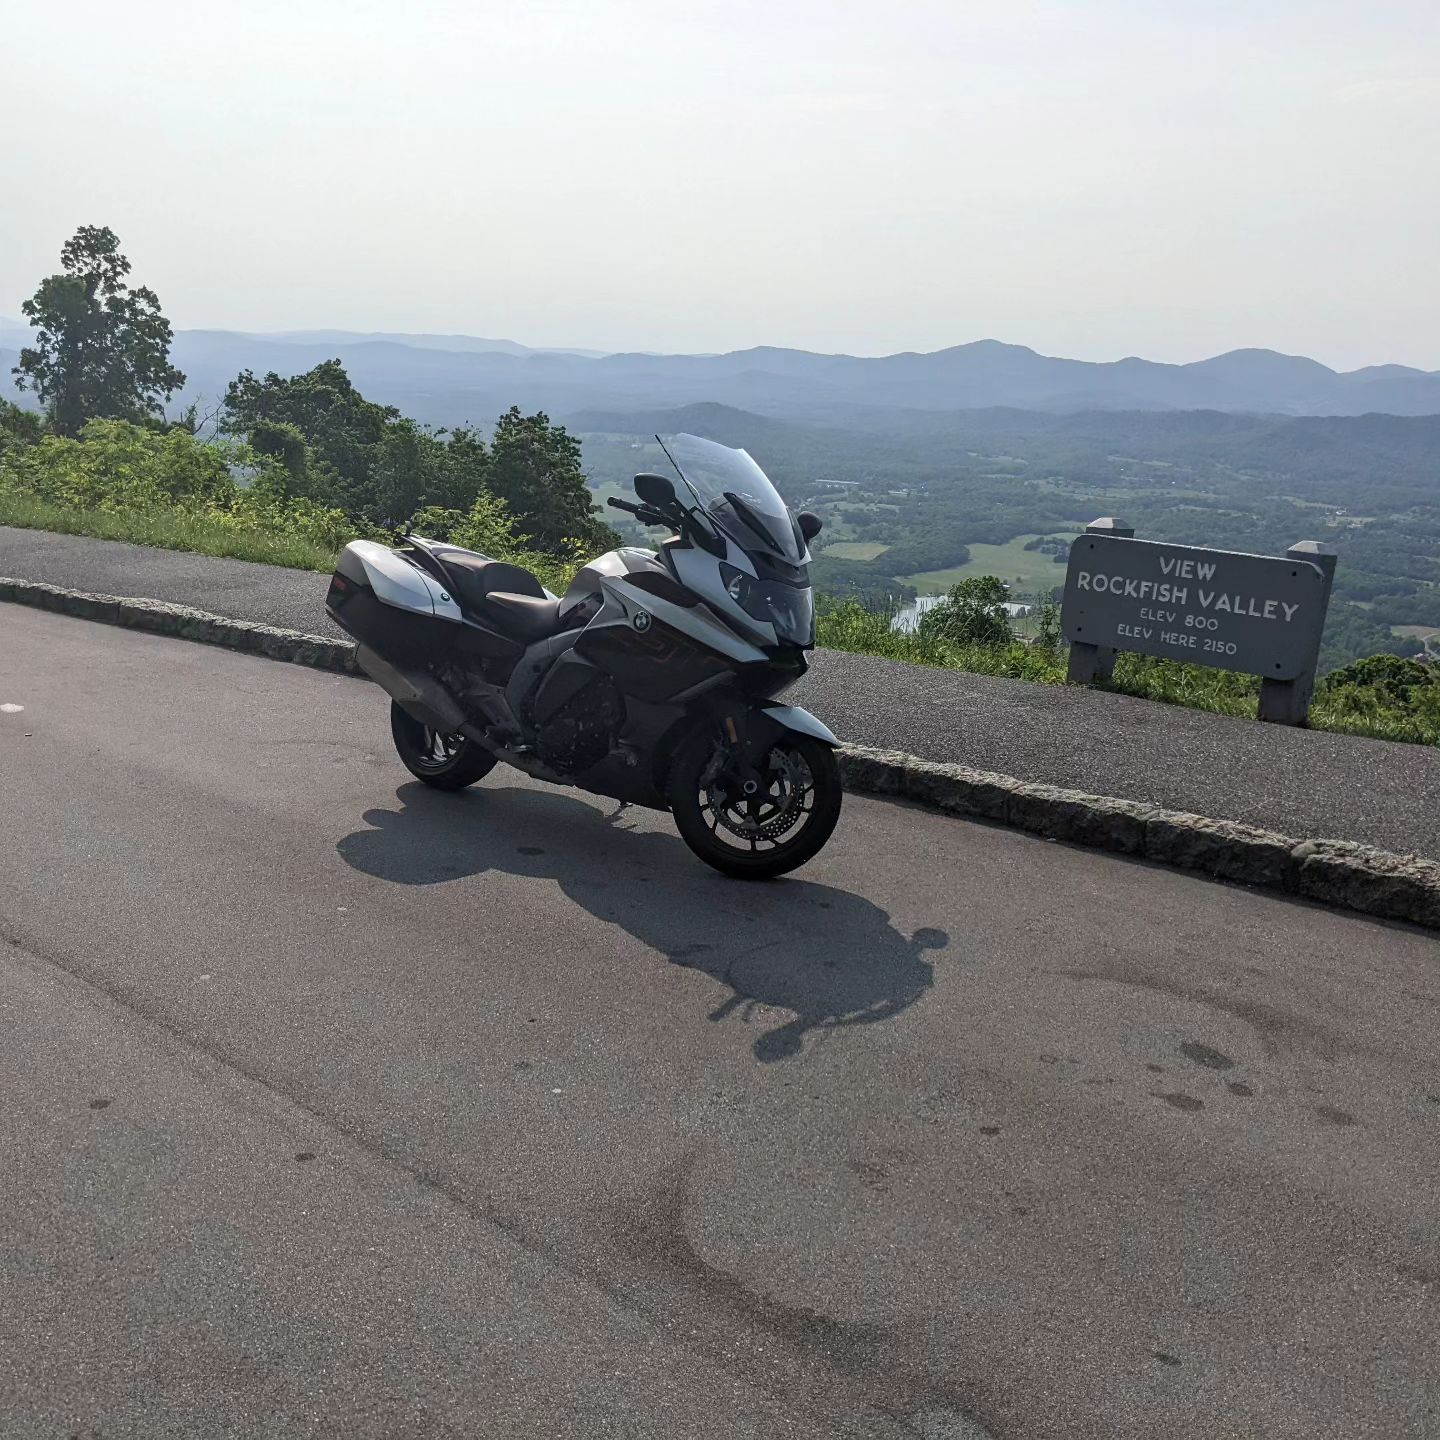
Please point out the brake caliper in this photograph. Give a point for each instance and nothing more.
(762, 804)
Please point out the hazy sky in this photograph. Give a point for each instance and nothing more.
(1095, 178)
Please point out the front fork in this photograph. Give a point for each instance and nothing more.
(748, 735)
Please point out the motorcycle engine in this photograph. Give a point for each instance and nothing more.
(579, 734)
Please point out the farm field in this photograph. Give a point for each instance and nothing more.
(856, 549)
(1025, 571)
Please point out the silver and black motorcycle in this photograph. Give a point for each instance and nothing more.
(652, 680)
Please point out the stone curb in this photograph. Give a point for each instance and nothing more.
(185, 623)
(1333, 872)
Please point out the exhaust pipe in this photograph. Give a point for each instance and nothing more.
(419, 695)
(432, 704)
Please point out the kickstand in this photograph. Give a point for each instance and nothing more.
(615, 818)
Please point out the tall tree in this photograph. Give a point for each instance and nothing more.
(102, 349)
(535, 469)
(344, 432)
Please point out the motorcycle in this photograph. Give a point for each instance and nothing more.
(653, 680)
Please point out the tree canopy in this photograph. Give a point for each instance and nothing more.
(535, 469)
(342, 449)
(101, 347)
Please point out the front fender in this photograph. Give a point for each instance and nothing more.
(782, 717)
(802, 722)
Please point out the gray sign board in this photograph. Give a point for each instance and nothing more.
(1260, 614)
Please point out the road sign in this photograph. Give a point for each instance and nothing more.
(1257, 613)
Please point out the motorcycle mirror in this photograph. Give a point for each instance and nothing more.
(655, 490)
(810, 524)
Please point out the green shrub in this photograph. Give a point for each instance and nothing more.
(169, 488)
(971, 616)
(847, 625)
(120, 466)
(1385, 696)
(1391, 679)
(489, 527)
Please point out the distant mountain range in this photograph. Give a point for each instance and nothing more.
(1364, 450)
(462, 344)
(450, 379)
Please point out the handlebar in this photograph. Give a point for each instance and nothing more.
(646, 514)
(685, 521)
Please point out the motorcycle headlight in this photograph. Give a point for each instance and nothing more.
(745, 592)
(789, 608)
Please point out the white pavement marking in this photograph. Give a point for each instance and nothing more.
(9, 709)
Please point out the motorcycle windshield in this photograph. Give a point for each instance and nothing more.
(736, 493)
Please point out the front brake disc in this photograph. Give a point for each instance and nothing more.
(771, 814)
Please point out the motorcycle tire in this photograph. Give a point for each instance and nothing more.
(707, 829)
(447, 762)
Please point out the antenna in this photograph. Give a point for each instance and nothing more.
(670, 458)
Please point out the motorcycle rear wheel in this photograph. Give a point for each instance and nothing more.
(448, 762)
(779, 828)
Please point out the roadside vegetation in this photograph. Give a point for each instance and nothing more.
(166, 529)
(286, 471)
(123, 481)
(1386, 697)
(290, 469)
(120, 481)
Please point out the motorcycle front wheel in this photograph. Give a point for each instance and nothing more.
(448, 762)
(780, 825)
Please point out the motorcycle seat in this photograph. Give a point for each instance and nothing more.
(475, 577)
(524, 617)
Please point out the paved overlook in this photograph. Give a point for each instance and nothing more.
(1302, 783)
(334, 1106)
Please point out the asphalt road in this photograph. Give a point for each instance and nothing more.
(1304, 783)
(334, 1106)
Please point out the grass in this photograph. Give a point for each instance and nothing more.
(167, 530)
(172, 529)
(1025, 571)
(1344, 708)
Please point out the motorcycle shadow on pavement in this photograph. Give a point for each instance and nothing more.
(829, 958)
